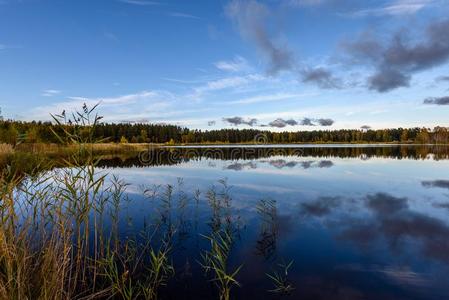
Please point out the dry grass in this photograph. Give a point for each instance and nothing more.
(6, 149)
(96, 148)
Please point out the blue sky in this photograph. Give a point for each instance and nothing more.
(286, 65)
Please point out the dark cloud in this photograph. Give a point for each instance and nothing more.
(437, 100)
(280, 123)
(321, 77)
(307, 122)
(315, 122)
(320, 207)
(211, 123)
(325, 122)
(240, 121)
(253, 19)
(441, 205)
(365, 127)
(397, 59)
(442, 78)
(443, 184)
(291, 122)
(387, 79)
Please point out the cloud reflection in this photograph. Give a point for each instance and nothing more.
(394, 221)
(281, 164)
(320, 207)
(241, 166)
(443, 184)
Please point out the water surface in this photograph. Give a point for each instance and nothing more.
(359, 222)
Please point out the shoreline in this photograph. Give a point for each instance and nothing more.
(121, 147)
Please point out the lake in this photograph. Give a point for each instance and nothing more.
(356, 221)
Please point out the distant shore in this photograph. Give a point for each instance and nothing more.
(117, 148)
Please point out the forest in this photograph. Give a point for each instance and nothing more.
(14, 132)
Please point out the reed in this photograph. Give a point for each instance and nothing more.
(60, 227)
(215, 263)
(53, 242)
(280, 279)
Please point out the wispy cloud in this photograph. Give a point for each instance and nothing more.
(442, 78)
(270, 98)
(50, 93)
(120, 100)
(182, 15)
(238, 64)
(252, 19)
(118, 108)
(321, 77)
(111, 36)
(305, 2)
(139, 2)
(6, 47)
(228, 82)
(395, 8)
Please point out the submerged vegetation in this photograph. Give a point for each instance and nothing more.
(62, 237)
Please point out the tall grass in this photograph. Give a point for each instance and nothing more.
(53, 240)
(215, 263)
(6, 149)
(60, 229)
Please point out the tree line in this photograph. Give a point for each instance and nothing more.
(14, 132)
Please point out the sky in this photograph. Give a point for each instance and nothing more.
(210, 64)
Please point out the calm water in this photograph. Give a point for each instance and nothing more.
(358, 222)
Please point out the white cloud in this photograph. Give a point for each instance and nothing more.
(113, 107)
(111, 36)
(269, 98)
(50, 93)
(182, 15)
(305, 2)
(139, 2)
(5, 47)
(238, 64)
(395, 8)
(228, 82)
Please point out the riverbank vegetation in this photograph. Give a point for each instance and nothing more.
(66, 234)
(17, 132)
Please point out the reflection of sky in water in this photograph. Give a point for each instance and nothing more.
(355, 228)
